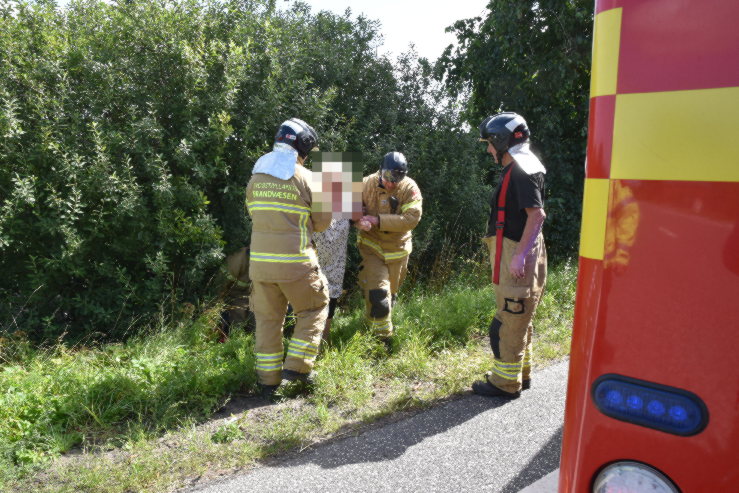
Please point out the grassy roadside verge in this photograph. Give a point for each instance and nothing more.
(145, 401)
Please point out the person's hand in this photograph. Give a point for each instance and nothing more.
(364, 225)
(373, 220)
(517, 266)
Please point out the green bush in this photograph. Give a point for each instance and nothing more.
(128, 132)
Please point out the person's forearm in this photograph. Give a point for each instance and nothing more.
(531, 230)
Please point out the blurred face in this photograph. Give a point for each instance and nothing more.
(389, 186)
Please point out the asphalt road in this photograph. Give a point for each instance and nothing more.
(471, 444)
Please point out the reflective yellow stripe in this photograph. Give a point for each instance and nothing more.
(594, 215)
(278, 257)
(290, 261)
(378, 249)
(300, 348)
(303, 224)
(527, 360)
(504, 375)
(299, 344)
(407, 206)
(304, 350)
(269, 358)
(606, 44)
(654, 136)
(370, 243)
(509, 371)
(514, 365)
(304, 355)
(277, 209)
(279, 206)
(395, 255)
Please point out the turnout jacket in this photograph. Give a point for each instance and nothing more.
(282, 226)
(399, 212)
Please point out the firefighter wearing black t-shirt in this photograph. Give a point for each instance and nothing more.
(517, 253)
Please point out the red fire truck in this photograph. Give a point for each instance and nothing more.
(653, 390)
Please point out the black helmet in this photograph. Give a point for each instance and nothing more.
(394, 167)
(504, 131)
(298, 135)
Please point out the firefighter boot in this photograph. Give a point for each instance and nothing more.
(295, 383)
(487, 389)
(268, 392)
(525, 384)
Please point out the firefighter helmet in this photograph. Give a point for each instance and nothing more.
(504, 131)
(298, 135)
(394, 167)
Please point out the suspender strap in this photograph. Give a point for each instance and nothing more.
(499, 224)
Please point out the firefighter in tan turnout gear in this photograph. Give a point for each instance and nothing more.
(283, 266)
(392, 203)
(517, 253)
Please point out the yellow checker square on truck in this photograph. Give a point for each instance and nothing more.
(675, 135)
(606, 41)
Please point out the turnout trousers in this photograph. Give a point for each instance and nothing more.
(380, 282)
(309, 299)
(516, 300)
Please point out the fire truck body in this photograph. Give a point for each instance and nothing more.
(653, 377)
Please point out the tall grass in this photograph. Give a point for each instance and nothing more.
(57, 398)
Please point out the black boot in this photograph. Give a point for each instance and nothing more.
(294, 383)
(483, 387)
(268, 392)
(296, 376)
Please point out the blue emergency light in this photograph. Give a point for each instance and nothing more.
(656, 406)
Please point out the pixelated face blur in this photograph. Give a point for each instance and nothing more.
(337, 184)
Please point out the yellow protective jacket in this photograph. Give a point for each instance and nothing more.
(399, 212)
(282, 226)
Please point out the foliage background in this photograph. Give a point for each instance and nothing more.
(128, 131)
